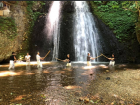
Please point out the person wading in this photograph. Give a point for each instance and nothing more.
(27, 58)
(39, 64)
(12, 59)
(88, 59)
(112, 62)
(68, 59)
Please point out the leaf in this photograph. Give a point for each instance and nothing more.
(91, 101)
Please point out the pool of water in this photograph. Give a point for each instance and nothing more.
(53, 84)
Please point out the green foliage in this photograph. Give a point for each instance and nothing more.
(97, 2)
(21, 55)
(43, 3)
(121, 21)
(7, 25)
(32, 16)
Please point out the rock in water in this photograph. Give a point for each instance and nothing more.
(108, 78)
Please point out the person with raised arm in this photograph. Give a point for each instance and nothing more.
(88, 59)
(39, 64)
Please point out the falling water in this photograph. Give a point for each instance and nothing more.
(85, 32)
(52, 28)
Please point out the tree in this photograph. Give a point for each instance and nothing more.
(134, 6)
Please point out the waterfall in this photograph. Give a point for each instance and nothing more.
(52, 28)
(85, 32)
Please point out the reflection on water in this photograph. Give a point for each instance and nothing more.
(29, 85)
(92, 74)
(111, 68)
(28, 67)
(7, 73)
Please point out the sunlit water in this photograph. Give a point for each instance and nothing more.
(85, 32)
(54, 84)
(52, 28)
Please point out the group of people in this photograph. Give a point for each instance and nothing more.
(27, 58)
(112, 61)
(39, 64)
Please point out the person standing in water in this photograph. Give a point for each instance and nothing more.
(39, 64)
(12, 59)
(68, 59)
(88, 59)
(27, 58)
(112, 62)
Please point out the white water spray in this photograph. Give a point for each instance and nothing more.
(85, 32)
(53, 26)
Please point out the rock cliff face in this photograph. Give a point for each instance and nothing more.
(15, 28)
(109, 42)
(39, 41)
(127, 50)
(15, 39)
(138, 30)
(8, 45)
